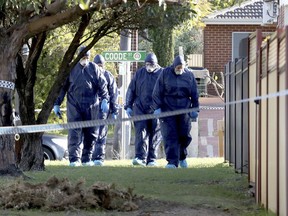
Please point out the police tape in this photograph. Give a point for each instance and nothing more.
(84, 124)
(93, 123)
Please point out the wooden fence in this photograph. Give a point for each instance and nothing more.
(256, 132)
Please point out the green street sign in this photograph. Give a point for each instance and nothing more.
(124, 56)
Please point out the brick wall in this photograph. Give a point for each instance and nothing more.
(218, 45)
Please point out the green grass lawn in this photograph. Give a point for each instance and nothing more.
(208, 182)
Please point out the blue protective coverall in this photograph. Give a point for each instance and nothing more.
(139, 99)
(175, 92)
(99, 148)
(84, 87)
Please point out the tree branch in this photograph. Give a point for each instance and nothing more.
(48, 22)
(64, 70)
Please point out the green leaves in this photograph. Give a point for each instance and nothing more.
(84, 4)
(221, 4)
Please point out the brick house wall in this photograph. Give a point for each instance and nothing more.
(218, 46)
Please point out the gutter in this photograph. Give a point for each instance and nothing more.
(233, 21)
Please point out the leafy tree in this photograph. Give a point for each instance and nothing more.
(27, 19)
(163, 45)
(51, 56)
(189, 33)
(221, 4)
(190, 40)
(162, 36)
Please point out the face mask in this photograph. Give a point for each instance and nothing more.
(150, 68)
(178, 72)
(84, 62)
(101, 66)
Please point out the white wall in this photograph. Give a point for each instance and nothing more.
(283, 2)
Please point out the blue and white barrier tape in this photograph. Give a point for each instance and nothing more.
(84, 124)
(92, 123)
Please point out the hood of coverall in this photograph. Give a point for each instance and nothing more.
(87, 53)
(179, 60)
(151, 58)
(99, 59)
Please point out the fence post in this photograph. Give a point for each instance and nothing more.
(220, 128)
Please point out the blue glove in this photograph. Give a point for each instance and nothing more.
(57, 111)
(114, 116)
(104, 106)
(193, 115)
(129, 112)
(157, 111)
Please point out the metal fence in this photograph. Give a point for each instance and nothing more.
(236, 119)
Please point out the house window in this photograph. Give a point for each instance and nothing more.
(239, 44)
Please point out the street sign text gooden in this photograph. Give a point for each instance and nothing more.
(124, 56)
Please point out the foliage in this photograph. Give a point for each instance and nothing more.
(23, 20)
(144, 43)
(48, 64)
(169, 16)
(107, 43)
(163, 43)
(191, 40)
(189, 33)
(202, 9)
(55, 47)
(50, 60)
(162, 38)
(59, 40)
(221, 4)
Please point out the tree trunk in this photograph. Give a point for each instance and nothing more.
(32, 152)
(10, 45)
(7, 80)
(7, 159)
(30, 145)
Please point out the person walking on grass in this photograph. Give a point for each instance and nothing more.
(98, 155)
(85, 87)
(175, 89)
(138, 102)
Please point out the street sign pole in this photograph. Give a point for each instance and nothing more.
(124, 57)
(126, 126)
(125, 45)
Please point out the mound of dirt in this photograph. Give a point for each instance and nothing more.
(60, 195)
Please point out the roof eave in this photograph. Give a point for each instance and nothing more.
(233, 21)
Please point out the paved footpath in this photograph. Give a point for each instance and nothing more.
(204, 132)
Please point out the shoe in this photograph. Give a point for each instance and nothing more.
(152, 164)
(183, 163)
(170, 166)
(75, 164)
(89, 163)
(98, 163)
(136, 161)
